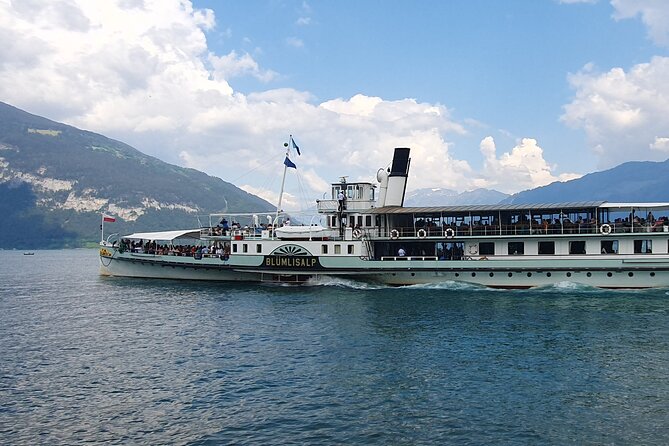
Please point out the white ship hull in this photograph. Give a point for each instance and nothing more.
(604, 271)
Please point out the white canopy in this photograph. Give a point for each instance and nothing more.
(166, 235)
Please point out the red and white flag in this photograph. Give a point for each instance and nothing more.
(107, 218)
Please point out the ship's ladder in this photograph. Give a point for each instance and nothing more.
(369, 247)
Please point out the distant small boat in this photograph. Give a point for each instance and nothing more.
(28, 253)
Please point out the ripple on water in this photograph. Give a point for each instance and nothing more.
(91, 359)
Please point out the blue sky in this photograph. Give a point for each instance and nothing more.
(505, 95)
(502, 63)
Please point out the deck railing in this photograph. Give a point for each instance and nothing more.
(520, 229)
(450, 232)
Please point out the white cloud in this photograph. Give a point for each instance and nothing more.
(524, 167)
(622, 112)
(653, 13)
(271, 196)
(294, 42)
(661, 144)
(232, 65)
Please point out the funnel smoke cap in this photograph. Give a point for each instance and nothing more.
(400, 166)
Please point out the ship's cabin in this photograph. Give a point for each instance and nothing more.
(513, 220)
(356, 196)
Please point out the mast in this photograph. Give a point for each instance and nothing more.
(283, 181)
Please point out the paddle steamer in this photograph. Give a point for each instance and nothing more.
(365, 237)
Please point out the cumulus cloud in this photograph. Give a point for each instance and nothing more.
(141, 71)
(661, 144)
(622, 112)
(233, 65)
(653, 13)
(524, 167)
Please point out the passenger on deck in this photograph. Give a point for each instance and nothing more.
(342, 200)
(401, 252)
(224, 225)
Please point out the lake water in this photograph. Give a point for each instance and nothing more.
(87, 359)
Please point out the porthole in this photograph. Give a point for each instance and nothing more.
(510, 274)
(394, 274)
(492, 274)
(631, 274)
(652, 274)
(548, 274)
(609, 274)
(413, 274)
(568, 274)
(589, 274)
(529, 274)
(457, 274)
(473, 274)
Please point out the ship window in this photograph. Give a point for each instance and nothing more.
(609, 247)
(546, 248)
(359, 220)
(337, 249)
(324, 249)
(516, 248)
(487, 248)
(368, 220)
(334, 222)
(577, 247)
(234, 247)
(258, 248)
(350, 249)
(643, 246)
(245, 247)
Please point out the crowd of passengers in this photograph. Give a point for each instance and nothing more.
(224, 227)
(151, 247)
(546, 226)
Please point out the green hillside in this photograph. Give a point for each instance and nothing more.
(55, 180)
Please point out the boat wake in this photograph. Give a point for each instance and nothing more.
(339, 282)
(567, 287)
(450, 285)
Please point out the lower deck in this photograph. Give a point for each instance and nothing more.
(607, 271)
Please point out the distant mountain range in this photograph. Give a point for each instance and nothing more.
(447, 197)
(633, 181)
(55, 180)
